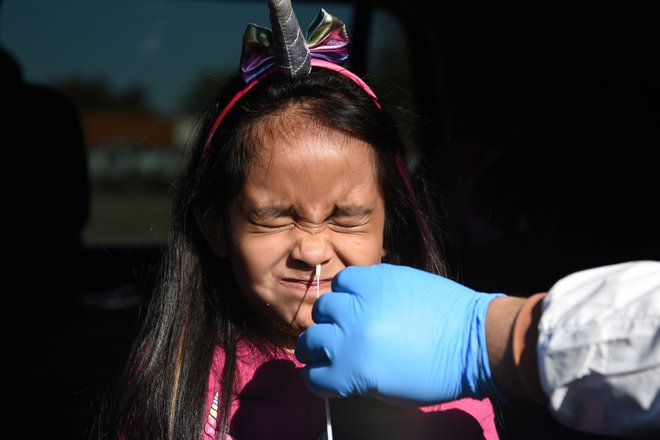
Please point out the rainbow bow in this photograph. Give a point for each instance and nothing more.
(326, 37)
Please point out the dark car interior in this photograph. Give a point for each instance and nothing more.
(537, 127)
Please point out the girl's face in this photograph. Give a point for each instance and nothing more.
(311, 198)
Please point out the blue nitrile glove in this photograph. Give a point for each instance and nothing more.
(398, 334)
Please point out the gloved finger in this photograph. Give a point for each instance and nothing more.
(355, 279)
(313, 345)
(331, 306)
(319, 380)
(315, 348)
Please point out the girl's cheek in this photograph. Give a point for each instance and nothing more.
(359, 251)
(265, 246)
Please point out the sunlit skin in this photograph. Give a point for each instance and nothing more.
(312, 198)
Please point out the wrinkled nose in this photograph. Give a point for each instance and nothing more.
(312, 246)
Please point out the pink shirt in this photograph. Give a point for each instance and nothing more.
(270, 401)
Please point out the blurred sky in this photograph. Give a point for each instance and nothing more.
(163, 45)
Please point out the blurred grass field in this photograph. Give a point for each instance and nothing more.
(127, 216)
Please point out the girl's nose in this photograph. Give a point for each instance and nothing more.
(312, 247)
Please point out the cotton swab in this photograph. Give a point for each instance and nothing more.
(328, 423)
(318, 281)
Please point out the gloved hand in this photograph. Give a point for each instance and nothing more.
(398, 334)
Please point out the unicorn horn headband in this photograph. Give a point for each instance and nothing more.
(285, 49)
(292, 53)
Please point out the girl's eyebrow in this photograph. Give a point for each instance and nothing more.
(265, 212)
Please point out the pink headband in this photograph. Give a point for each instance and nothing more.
(315, 62)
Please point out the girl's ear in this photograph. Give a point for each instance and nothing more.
(213, 230)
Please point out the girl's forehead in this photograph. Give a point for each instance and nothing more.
(313, 167)
(287, 122)
(290, 138)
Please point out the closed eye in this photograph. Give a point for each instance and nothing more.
(277, 219)
(347, 228)
(271, 219)
(279, 225)
(350, 219)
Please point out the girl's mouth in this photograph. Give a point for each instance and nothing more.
(307, 284)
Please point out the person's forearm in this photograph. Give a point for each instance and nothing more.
(512, 335)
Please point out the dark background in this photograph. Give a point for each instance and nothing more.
(544, 148)
(540, 136)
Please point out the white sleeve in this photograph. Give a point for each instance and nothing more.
(599, 350)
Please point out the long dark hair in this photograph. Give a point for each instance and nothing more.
(197, 304)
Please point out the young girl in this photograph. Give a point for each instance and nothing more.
(296, 167)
